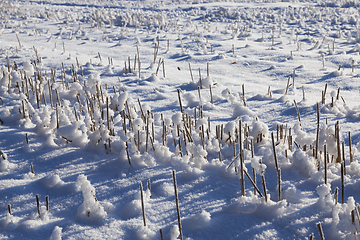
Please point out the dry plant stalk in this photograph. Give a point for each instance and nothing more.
(342, 183)
(253, 183)
(254, 178)
(181, 108)
(127, 153)
(147, 132)
(324, 94)
(298, 113)
(211, 96)
(293, 85)
(161, 234)
(243, 91)
(287, 86)
(336, 193)
(149, 186)
(343, 156)
(338, 94)
(242, 182)
(303, 93)
(177, 205)
(158, 67)
(47, 203)
(274, 151)
(264, 186)
(357, 213)
(142, 203)
(192, 78)
(320, 231)
(317, 131)
(163, 64)
(278, 171)
(351, 155)
(200, 81)
(337, 134)
(325, 164)
(38, 204)
(279, 183)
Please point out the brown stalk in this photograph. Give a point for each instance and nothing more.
(297, 110)
(192, 78)
(200, 81)
(242, 182)
(342, 183)
(317, 131)
(337, 134)
(243, 91)
(142, 203)
(47, 203)
(9, 209)
(38, 204)
(351, 155)
(253, 183)
(181, 108)
(325, 164)
(320, 231)
(177, 205)
(264, 186)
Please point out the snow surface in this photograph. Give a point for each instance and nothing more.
(97, 96)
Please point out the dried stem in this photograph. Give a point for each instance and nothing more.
(264, 186)
(181, 108)
(192, 78)
(342, 183)
(351, 155)
(177, 204)
(242, 182)
(142, 203)
(38, 204)
(297, 110)
(9, 209)
(317, 131)
(337, 134)
(253, 183)
(325, 164)
(320, 231)
(274, 151)
(47, 203)
(243, 91)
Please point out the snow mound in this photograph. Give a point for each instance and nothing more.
(304, 163)
(239, 110)
(198, 221)
(4, 163)
(90, 211)
(257, 206)
(56, 234)
(144, 232)
(52, 181)
(325, 200)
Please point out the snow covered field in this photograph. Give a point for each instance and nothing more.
(100, 99)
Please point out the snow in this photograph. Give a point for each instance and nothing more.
(98, 96)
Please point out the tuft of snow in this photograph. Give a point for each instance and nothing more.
(198, 221)
(90, 211)
(56, 234)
